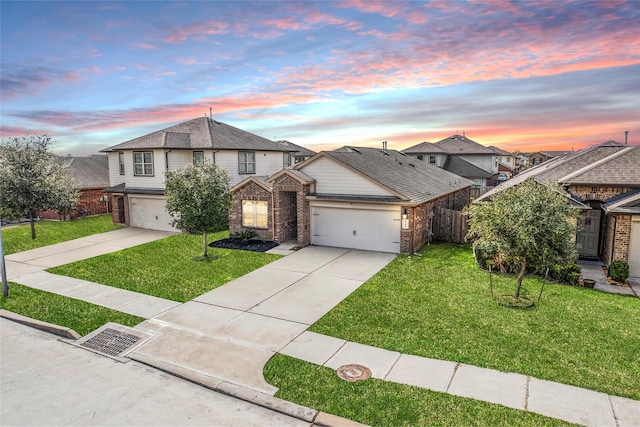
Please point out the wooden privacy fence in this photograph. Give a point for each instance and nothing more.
(449, 225)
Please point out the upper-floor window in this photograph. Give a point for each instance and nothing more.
(537, 160)
(286, 162)
(198, 157)
(432, 160)
(143, 163)
(121, 163)
(299, 159)
(508, 159)
(246, 162)
(420, 157)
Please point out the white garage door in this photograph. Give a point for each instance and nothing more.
(373, 230)
(149, 213)
(634, 249)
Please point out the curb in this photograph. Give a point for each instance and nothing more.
(43, 326)
(303, 413)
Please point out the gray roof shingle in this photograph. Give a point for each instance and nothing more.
(416, 181)
(461, 167)
(88, 172)
(199, 134)
(599, 164)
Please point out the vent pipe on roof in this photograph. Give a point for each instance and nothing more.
(210, 114)
(384, 147)
(626, 137)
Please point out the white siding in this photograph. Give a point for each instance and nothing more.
(267, 162)
(155, 181)
(333, 178)
(179, 159)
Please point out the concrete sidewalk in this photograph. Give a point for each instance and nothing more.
(569, 403)
(593, 270)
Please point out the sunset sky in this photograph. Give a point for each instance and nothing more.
(522, 75)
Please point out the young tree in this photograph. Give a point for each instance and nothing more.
(32, 180)
(199, 199)
(527, 225)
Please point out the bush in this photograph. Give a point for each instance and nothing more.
(565, 273)
(244, 236)
(619, 270)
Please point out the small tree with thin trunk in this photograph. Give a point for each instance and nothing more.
(32, 179)
(199, 199)
(528, 225)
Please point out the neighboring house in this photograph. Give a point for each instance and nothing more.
(542, 156)
(507, 162)
(461, 156)
(605, 178)
(294, 157)
(91, 175)
(137, 167)
(352, 197)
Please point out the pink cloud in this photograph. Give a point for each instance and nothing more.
(197, 30)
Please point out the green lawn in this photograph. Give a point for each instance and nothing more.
(81, 316)
(17, 238)
(166, 269)
(437, 305)
(381, 403)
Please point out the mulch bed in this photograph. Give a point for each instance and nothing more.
(254, 245)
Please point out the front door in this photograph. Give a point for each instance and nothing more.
(588, 234)
(121, 210)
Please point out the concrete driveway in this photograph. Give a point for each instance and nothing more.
(228, 334)
(40, 259)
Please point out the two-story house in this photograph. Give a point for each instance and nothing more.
(461, 156)
(507, 162)
(137, 167)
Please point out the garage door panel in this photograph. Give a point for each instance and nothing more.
(376, 230)
(634, 250)
(149, 213)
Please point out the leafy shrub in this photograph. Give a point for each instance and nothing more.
(566, 273)
(619, 270)
(243, 236)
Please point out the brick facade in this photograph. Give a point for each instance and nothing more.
(616, 228)
(290, 212)
(93, 200)
(251, 191)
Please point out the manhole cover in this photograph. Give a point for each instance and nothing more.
(110, 341)
(353, 372)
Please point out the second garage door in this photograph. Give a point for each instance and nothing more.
(149, 213)
(368, 229)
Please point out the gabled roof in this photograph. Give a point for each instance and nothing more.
(298, 175)
(461, 167)
(627, 203)
(578, 164)
(500, 151)
(552, 154)
(460, 144)
(88, 172)
(258, 180)
(620, 168)
(296, 150)
(199, 134)
(424, 148)
(414, 181)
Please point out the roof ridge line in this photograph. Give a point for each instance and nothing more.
(595, 164)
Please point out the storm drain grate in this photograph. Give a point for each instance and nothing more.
(111, 341)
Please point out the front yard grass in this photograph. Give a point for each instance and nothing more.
(165, 268)
(381, 403)
(17, 238)
(437, 305)
(81, 316)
